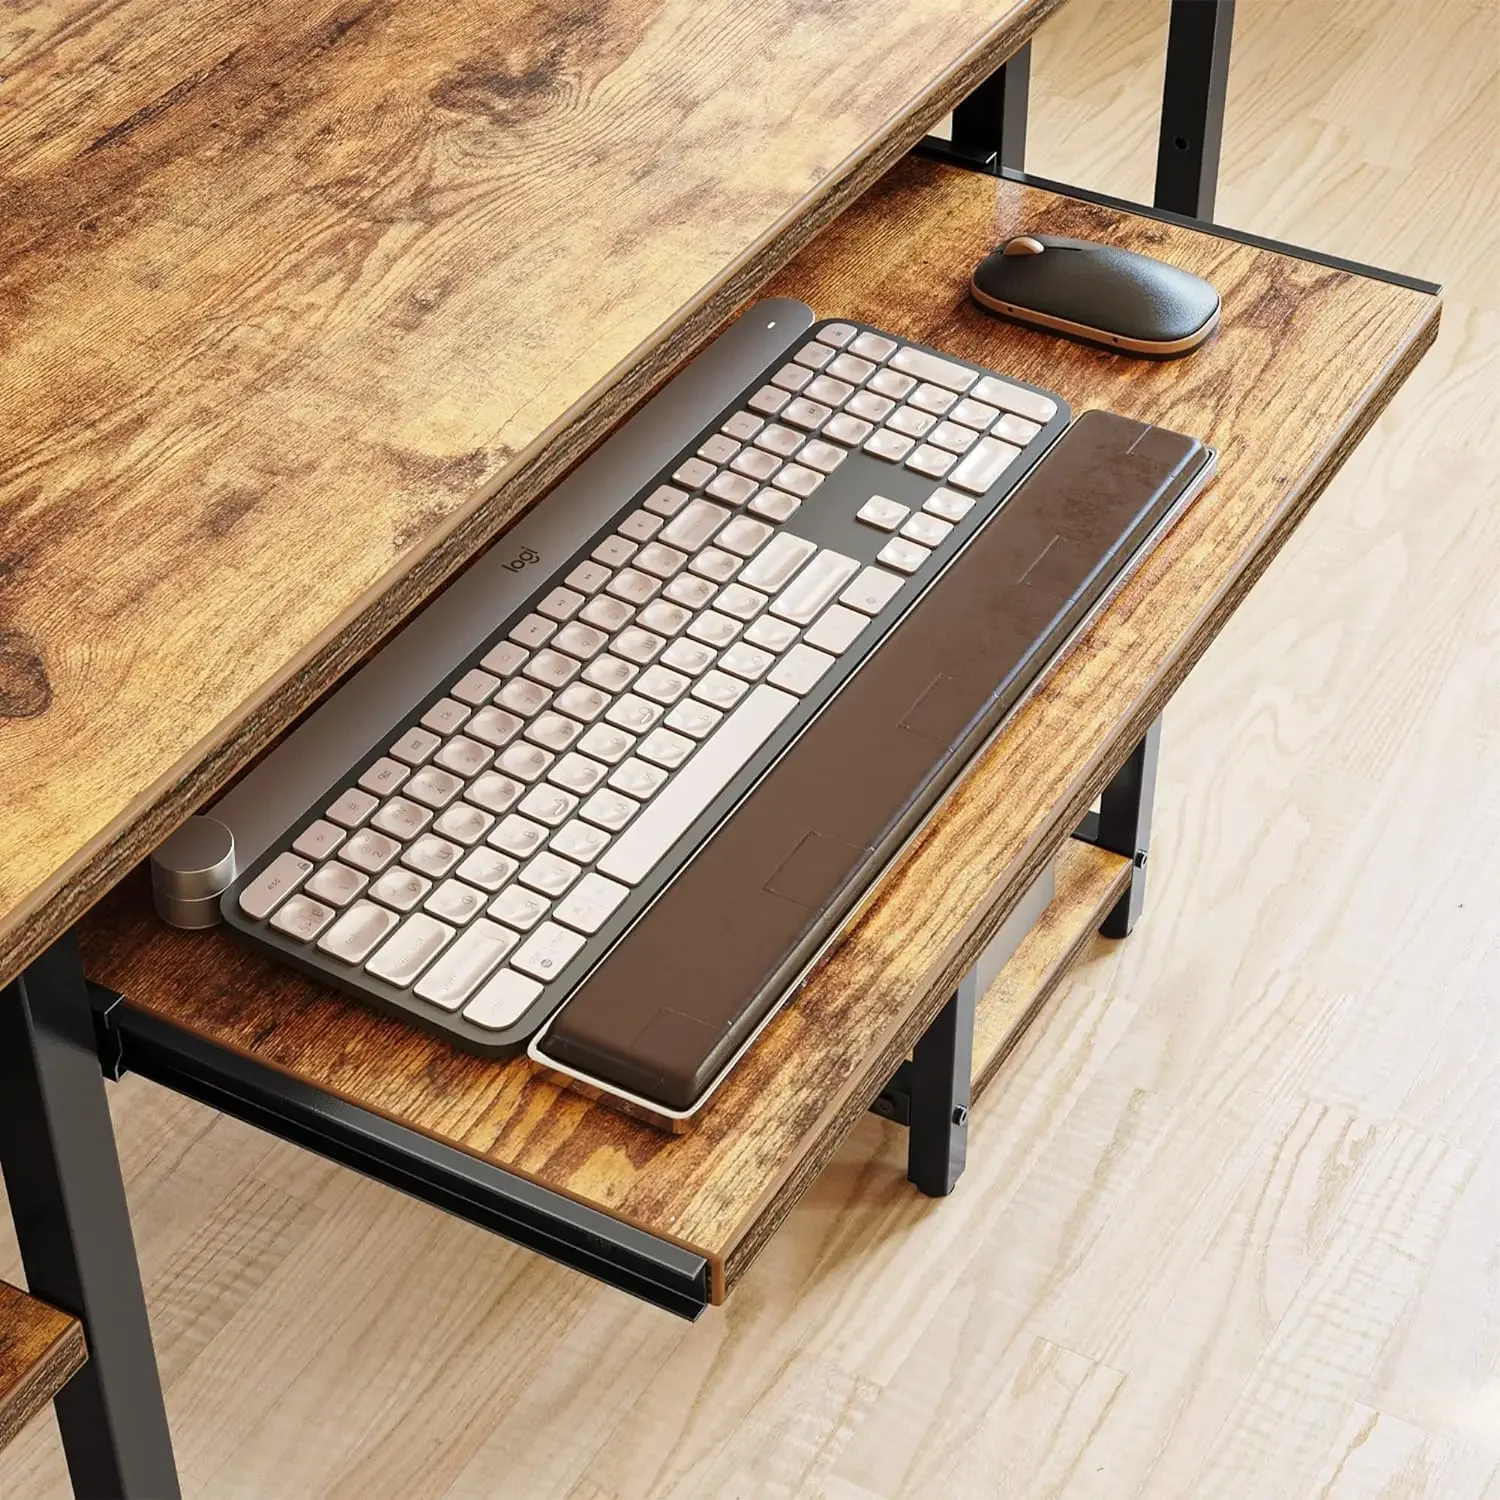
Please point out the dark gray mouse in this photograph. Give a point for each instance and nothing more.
(1099, 293)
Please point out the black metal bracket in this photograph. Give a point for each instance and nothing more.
(1123, 826)
(989, 127)
(653, 1269)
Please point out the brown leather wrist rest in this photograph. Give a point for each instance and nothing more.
(664, 1014)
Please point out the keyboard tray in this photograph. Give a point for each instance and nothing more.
(665, 1017)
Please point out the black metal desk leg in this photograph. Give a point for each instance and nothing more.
(1192, 106)
(989, 127)
(939, 1101)
(1125, 827)
(62, 1176)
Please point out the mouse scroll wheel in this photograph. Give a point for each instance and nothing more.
(1023, 244)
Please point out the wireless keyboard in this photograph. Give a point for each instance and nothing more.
(622, 826)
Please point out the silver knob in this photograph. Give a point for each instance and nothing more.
(191, 870)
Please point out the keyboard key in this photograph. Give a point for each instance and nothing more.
(505, 999)
(355, 933)
(837, 334)
(872, 591)
(872, 345)
(504, 659)
(716, 564)
(846, 429)
(951, 436)
(948, 505)
(641, 525)
(580, 701)
(713, 628)
(1016, 429)
(587, 578)
(869, 407)
(607, 614)
(800, 669)
(454, 902)
(534, 630)
(774, 505)
(609, 809)
(547, 804)
(591, 903)
(665, 500)
(719, 759)
(912, 423)
(781, 440)
(929, 367)
(384, 776)
(486, 868)
(433, 786)
(1024, 403)
(806, 414)
(561, 603)
(462, 823)
(633, 713)
(973, 414)
(494, 791)
(318, 840)
(740, 602)
(743, 536)
(694, 474)
(415, 746)
(634, 586)
(814, 355)
(661, 684)
(902, 554)
(719, 689)
(749, 662)
(663, 747)
(882, 513)
(932, 398)
(637, 645)
(370, 851)
(336, 884)
(401, 889)
(553, 731)
(777, 561)
(613, 552)
(523, 697)
(273, 885)
(930, 461)
(546, 952)
(466, 965)
(829, 391)
(494, 726)
(823, 457)
(549, 874)
(792, 377)
(688, 656)
(692, 527)
(836, 629)
(580, 640)
(889, 445)
(769, 399)
(690, 592)
(772, 634)
(610, 673)
(301, 918)
(432, 856)
(798, 480)
(984, 463)
(351, 808)
(519, 908)
(814, 587)
(401, 819)
(519, 836)
(852, 368)
(664, 618)
(410, 949)
(733, 489)
(691, 717)
(464, 757)
(554, 669)
(928, 530)
(578, 841)
(756, 463)
(576, 773)
(743, 425)
(636, 779)
(606, 743)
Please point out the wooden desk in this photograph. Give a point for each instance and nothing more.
(41, 1349)
(1284, 416)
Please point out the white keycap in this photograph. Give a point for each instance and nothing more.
(749, 662)
(466, 965)
(637, 645)
(690, 592)
(663, 617)
(503, 1000)
(1015, 398)
(872, 590)
(605, 742)
(401, 819)
(780, 439)
(524, 762)
(792, 377)
(806, 414)
(694, 473)
(742, 603)
(415, 746)
(928, 530)
(336, 884)
(800, 481)
(774, 505)
(486, 868)
(609, 809)
(743, 425)
(494, 726)
(355, 934)
(587, 578)
(475, 686)
(665, 500)
(519, 908)
(464, 757)
(636, 779)
(610, 673)
(777, 561)
(535, 630)
(524, 698)
(691, 657)
(301, 918)
(505, 659)
(369, 851)
(579, 841)
(974, 413)
(984, 463)
(408, 950)
(633, 713)
(888, 445)
(951, 436)
(948, 505)
(902, 554)
(273, 885)
(912, 423)
(713, 628)
(553, 731)
(814, 355)
(656, 559)
(870, 407)
(814, 587)
(433, 786)
(454, 902)
(549, 874)
(933, 462)
(716, 564)
(932, 398)
(463, 824)
(613, 552)
(579, 774)
(318, 840)
(546, 952)
(800, 669)
(851, 368)
(756, 463)
(591, 903)
(836, 629)
(560, 604)
(580, 640)
(547, 804)
(885, 514)
(689, 529)
(518, 836)
(719, 759)
(837, 334)
(829, 391)
(400, 888)
(494, 791)
(641, 525)
(846, 429)
(661, 684)
(743, 535)
(771, 633)
(432, 856)
(926, 366)
(872, 345)
(384, 777)
(555, 669)
(580, 701)
(662, 747)
(634, 586)
(694, 718)
(733, 489)
(769, 399)
(1016, 429)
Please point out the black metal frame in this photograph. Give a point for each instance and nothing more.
(62, 1176)
(989, 127)
(1123, 826)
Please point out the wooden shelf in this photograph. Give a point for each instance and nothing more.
(41, 1349)
(1306, 357)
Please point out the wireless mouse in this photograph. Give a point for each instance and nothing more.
(1101, 294)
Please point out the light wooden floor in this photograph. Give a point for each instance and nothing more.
(1231, 1225)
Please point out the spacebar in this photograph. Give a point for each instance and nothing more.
(719, 759)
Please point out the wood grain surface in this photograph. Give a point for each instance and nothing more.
(302, 303)
(1305, 360)
(40, 1350)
